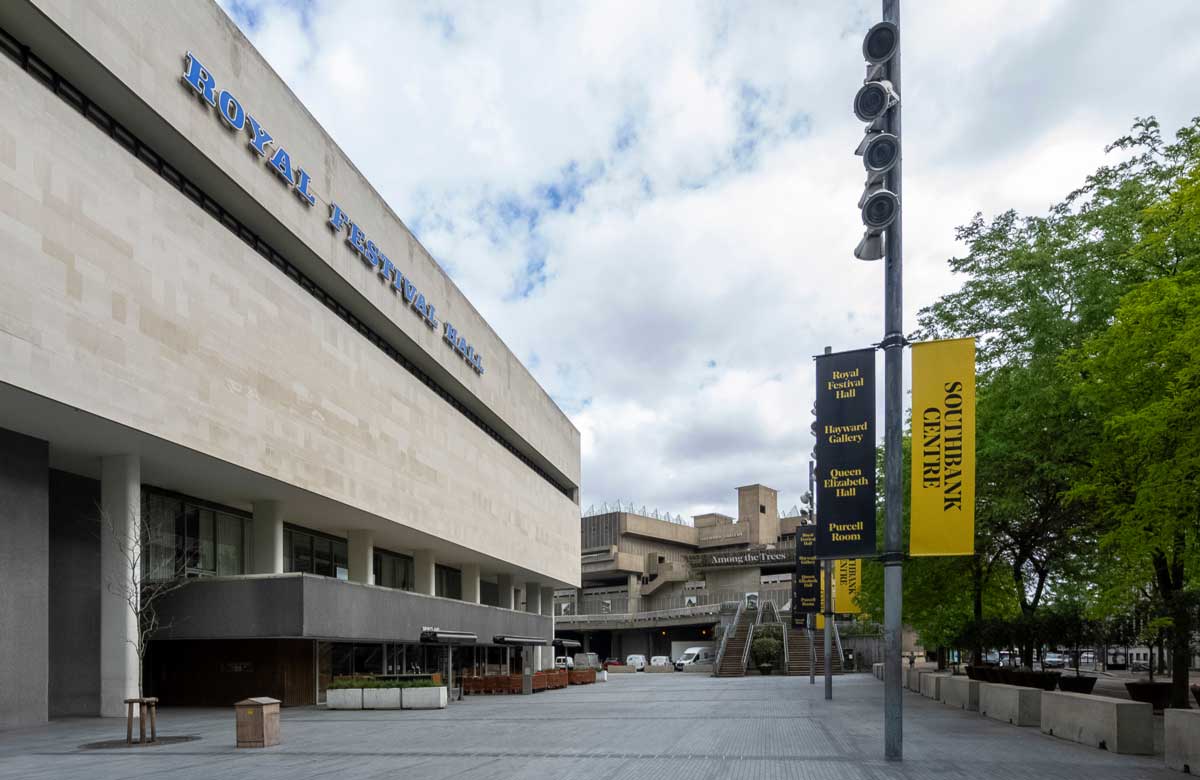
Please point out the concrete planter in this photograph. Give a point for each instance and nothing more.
(1015, 704)
(602, 676)
(1115, 725)
(1182, 732)
(381, 698)
(1157, 694)
(1073, 684)
(344, 699)
(423, 698)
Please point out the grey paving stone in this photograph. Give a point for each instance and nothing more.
(641, 727)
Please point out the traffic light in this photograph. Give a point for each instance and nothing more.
(880, 148)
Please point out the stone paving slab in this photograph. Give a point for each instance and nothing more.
(640, 727)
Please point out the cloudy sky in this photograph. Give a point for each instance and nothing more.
(653, 203)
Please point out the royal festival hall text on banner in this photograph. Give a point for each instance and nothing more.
(943, 450)
(805, 589)
(847, 582)
(846, 454)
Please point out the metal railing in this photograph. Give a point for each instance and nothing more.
(750, 637)
(837, 637)
(737, 617)
(613, 606)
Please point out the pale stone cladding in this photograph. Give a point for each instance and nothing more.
(123, 300)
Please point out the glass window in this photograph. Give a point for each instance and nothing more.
(230, 558)
(341, 569)
(393, 571)
(161, 515)
(301, 555)
(322, 556)
(207, 545)
(447, 582)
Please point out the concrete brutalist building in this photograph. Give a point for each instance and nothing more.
(652, 584)
(215, 334)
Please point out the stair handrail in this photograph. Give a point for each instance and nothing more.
(837, 637)
(725, 636)
(750, 637)
(783, 632)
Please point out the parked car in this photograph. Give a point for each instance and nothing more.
(638, 662)
(695, 655)
(613, 662)
(1053, 661)
(564, 662)
(660, 660)
(587, 661)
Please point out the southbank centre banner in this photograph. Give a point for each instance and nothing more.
(943, 449)
(806, 592)
(847, 582)
(846, 454)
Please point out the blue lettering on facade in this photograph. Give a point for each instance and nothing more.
(234, 116)
(231, 110)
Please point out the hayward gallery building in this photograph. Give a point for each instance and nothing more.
(215, 336)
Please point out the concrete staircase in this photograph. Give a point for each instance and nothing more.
(732, 664)
(800, 646)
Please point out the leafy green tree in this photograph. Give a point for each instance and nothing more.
(1140, 379)
(1034, 289)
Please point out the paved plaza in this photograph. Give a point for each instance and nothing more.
(642, 727)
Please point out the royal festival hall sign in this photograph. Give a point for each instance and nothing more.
(845, 408)
(235, 117)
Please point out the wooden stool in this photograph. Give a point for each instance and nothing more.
(147, 707)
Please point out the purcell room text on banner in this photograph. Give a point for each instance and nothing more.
(846, 454)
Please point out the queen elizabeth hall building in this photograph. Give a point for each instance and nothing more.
(217, 339)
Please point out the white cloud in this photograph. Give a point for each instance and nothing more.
(653, 203)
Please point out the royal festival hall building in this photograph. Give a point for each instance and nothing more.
(215, 336)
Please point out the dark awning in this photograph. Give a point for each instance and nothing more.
(568, 644)
(440, 636)
(506, 639)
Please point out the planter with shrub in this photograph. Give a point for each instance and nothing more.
(766, 652)
(369, 693)
(1076, 683)
(1157, 693)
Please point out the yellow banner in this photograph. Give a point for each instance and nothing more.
(943, 448)
(847, 581)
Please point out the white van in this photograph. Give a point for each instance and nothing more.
(636, 662)
(695, 655)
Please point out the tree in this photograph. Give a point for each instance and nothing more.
(149, 570)
(1034, 289)
(1140, 380)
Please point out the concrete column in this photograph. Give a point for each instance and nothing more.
(360, 550)
(634, 586)
(533, 605)
(121, 507)
(547, 653)
(533, 598)
(25, 580)
(424, 563)
(504, 586)
(268, 538)
(470, 582)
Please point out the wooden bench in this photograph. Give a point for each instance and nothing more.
(147, 707)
